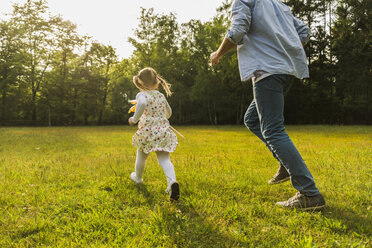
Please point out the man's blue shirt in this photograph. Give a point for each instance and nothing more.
(268, 38)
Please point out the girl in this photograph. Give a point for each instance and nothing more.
(154, 133)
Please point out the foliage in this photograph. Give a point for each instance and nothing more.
(50, 74)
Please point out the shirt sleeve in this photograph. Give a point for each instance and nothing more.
(302, 29)
(241, 16)
(168, 110)
(140, 107)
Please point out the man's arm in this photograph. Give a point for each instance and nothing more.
(240, 23)
(302, 29)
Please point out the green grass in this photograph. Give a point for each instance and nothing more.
(70, 187)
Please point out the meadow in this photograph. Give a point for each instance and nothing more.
(70, 187)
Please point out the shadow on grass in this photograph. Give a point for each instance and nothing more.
(343, 221)
(187, 226)
(142, 189)
(197, 230)
(182, 223)
(26, 232)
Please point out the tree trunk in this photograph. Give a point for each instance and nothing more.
(3, 101)
(100, 117)
(104, 98)
(210, 114)
(4, 95)
(33, 92)
(63, 74)
(180, 111)
(73, 114)
(241, 107)
(85, 114)
(215, 119)
(33, 104)
(33, 99)
(367, 114)
(49, 117)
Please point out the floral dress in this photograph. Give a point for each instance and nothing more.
(154, 132)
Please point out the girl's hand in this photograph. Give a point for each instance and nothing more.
(130, 121)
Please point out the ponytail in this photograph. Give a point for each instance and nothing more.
(166, 86)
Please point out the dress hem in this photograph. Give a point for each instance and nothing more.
(156, 150)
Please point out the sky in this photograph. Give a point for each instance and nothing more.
(113, 21)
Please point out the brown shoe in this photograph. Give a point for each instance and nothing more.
(281, 176)
(303, 202)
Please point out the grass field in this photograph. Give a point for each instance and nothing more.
(70, 187)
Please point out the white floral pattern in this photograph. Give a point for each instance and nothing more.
(154, 132)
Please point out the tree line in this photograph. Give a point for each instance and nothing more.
(52, 75)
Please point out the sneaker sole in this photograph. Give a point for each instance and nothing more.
(316, 208)
(280, 181)
(175, 195)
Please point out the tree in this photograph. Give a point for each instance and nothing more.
(102, 59)
(352, 45)
(59, 91)
(11, 59)
(49, 71)
(37, 26)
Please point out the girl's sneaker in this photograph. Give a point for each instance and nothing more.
(174, 191)
(134, 178)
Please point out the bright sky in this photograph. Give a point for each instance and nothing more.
(113, 21)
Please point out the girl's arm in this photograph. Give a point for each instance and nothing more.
(168, 110)
(140, 107)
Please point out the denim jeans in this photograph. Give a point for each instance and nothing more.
(264, 117)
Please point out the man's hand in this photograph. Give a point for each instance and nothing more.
(215, 59)
(130, 121)
(225, 47)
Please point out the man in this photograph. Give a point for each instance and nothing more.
(270, 40)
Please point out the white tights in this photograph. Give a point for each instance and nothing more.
(164, 161)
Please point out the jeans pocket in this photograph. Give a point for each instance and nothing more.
(271, 83)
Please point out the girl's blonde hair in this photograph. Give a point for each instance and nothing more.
(148, 79)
